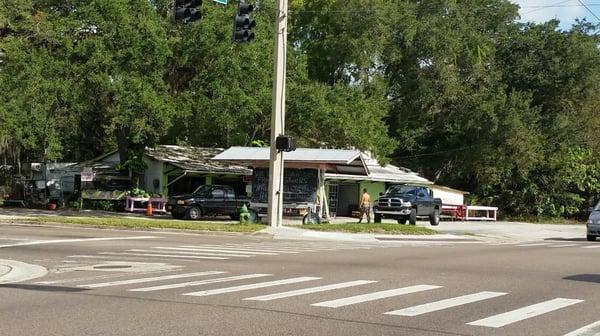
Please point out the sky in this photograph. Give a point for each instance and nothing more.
(564, 10)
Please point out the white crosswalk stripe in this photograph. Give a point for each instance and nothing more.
(589, 330)
(310, 290)
(374, 296)
(162, 255)
(252, 286)
(171, 251)
(232, 249)
(533, 244)
(199, 282)
(563, 245)
(151, 279)
(591, 247)
(445, 304)
(517, 315)
(192, 248)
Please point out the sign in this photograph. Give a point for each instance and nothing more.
(222, 2)
(87, 175)
(299, 185)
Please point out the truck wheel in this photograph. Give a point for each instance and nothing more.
(377, 218)
(434, 218)
(402, 220)
(193, 213)
(412, 218)
(591, 237)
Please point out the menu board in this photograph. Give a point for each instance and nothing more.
(299, 185)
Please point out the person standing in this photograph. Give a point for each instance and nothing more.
(365, 206)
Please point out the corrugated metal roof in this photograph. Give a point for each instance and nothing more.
(309, 155)
(379, 173)
(195, 159)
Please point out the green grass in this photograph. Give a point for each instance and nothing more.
(144, 223)
(372, 228)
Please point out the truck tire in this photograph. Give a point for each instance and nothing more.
(434, 218)
(377, 218)
(412, 218)
(311, 218)
(193, 213)
(402, 220)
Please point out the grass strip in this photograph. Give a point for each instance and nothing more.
(372, 228)
(143, 223)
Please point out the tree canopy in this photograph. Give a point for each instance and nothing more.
(459, 91)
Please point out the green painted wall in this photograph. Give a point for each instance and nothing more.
(373, 188)
(208, 180)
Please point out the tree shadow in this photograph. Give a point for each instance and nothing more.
(584, 277)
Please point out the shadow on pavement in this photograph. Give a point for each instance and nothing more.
(42, 288)
(584, 277)
(567, 239)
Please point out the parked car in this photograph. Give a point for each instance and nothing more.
(207, 200)
(593, 223)
(406, 203)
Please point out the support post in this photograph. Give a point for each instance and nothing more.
(276, 164)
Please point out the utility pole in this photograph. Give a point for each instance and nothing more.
(276, 165)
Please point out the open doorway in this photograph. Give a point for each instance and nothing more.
(348, 197)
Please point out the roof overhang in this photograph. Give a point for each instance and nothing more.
(339, 161)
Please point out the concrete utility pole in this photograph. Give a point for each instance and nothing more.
(278, 117)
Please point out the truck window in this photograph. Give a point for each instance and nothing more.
(217, 193)
(229, 194)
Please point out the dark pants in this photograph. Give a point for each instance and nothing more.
(365, 209)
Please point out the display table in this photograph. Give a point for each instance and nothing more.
(158, 204)
(485, 213)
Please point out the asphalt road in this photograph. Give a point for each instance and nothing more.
(105, 282)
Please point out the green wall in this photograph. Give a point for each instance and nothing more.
(373, 188)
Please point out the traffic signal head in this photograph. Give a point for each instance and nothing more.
(187, 10)
(243, 24)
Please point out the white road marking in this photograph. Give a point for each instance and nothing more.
(79, 240)
(374, 296)
(160, 255)
(192, 248)
(532, 245)
(517, 315)
(142, 280)
(309, 290)
(97, 277)
(20, 271)
(248, 249)
(591, 247)
(564, 245)
(191, 253)
(589, 330)
(200, 282)
(444, 304)
(252, 286)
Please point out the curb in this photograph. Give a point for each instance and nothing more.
(19, 271)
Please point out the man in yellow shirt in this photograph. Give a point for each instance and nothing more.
(365, 206)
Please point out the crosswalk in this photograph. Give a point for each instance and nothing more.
(196, 285)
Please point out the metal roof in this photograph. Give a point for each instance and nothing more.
(345, 161)
(195, 159)
(379, 173)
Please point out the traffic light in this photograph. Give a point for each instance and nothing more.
(243, 24)
(187, 10)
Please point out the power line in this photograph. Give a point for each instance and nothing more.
(589, 10)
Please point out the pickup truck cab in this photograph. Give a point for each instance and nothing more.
(407, 203)
(593, 223)
(207, 200)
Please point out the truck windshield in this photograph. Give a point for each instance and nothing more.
(400, 190)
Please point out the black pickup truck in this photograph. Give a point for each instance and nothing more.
(207, 200)
(406, 203)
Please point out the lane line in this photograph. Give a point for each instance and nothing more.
(198, 283)
(192, 253)
(589, 330)
(252, 286)
(309, 290)
(142, 280)
(160, 255)
(445, 304)
(374, 296)
(78, 240)
(243, 248)
(520, 314)
(199, 249)
(591, 247)
(564, 245)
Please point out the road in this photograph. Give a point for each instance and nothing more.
(111, 282)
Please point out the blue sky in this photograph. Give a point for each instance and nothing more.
(564, 10)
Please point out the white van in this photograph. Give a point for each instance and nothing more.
(593, 223)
